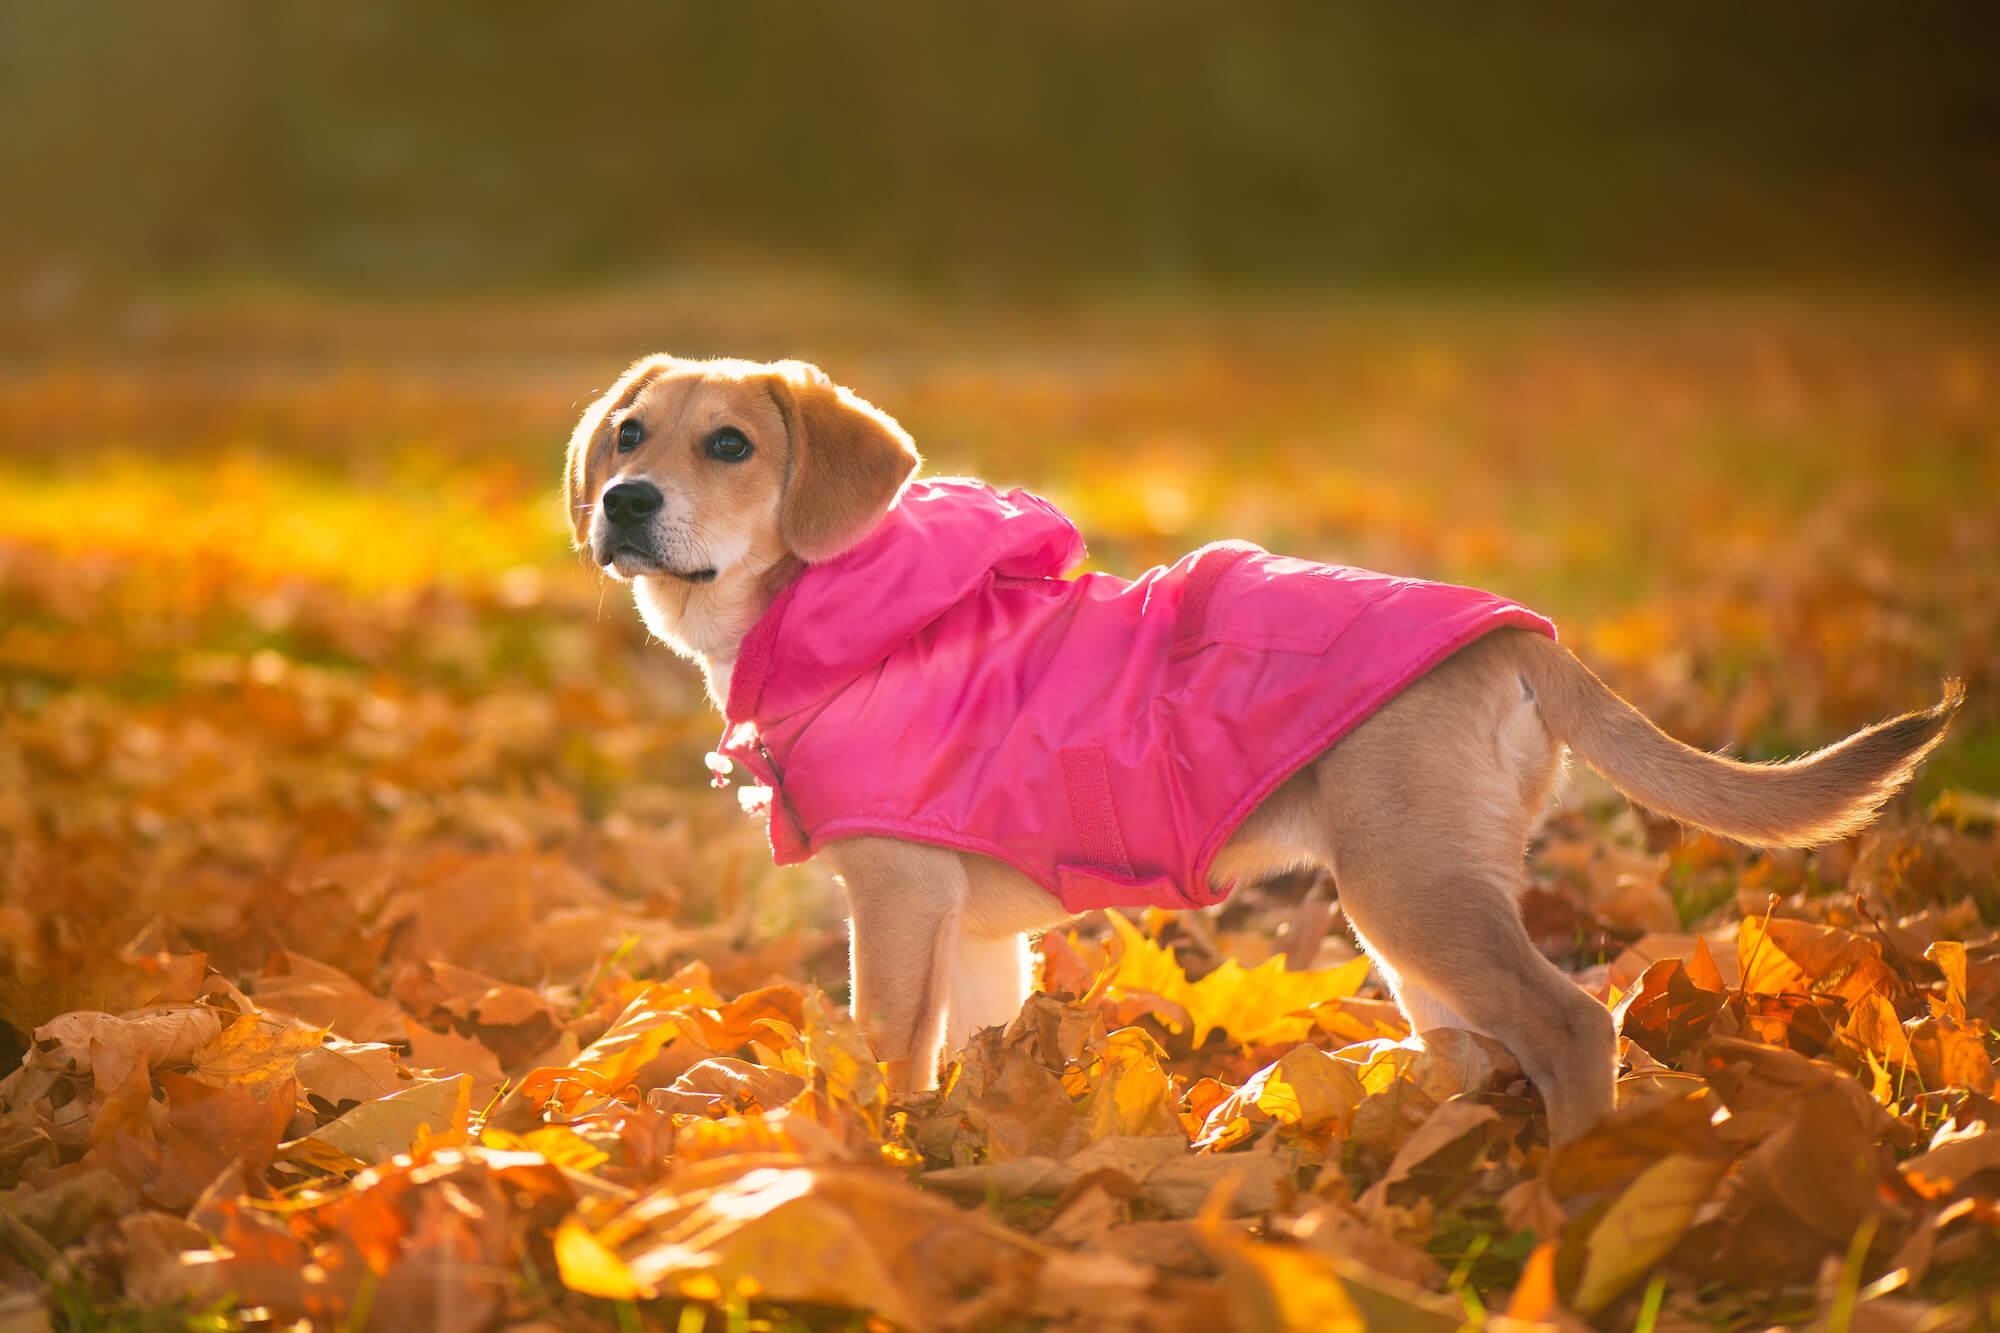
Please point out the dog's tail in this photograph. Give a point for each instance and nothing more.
(1797, 803)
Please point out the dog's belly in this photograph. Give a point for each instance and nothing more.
(1280, 835)
(1003, 901)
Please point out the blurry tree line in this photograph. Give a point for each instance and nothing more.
(1053, 140)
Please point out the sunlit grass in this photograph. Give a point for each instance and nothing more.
(393, 527)
(1768, 523)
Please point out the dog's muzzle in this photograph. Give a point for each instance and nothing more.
(626, 540)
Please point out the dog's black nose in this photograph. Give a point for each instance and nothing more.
(631, 501)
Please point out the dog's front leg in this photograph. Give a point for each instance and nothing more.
(905, 905)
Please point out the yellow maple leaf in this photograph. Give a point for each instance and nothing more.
(1261, 1005)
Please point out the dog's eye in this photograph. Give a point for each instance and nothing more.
(630, 432)
(728, 445)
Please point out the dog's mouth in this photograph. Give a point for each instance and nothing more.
(628, 559)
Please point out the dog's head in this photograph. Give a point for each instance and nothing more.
(691, 468)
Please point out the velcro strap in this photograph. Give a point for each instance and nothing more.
(1088, 781)
(1207, 566)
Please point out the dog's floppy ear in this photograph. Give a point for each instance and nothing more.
(849, 462)
(578, 490)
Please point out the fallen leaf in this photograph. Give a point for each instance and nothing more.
(1949, 1167)
(1129, 1092)
(325, 997)
(256, 1053)
(1264, 1005)
(1445, 1126)
(826, 1235)
(1645, 1221)
(1783, 956)
(376, 1130)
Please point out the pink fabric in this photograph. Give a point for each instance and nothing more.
(942, 682)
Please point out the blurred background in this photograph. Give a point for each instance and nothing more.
(1067, 147)
(1676, 323)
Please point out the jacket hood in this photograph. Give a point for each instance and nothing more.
(941, 541)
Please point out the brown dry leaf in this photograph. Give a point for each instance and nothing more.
(1762, 1085)
(63, 1208)
(605, 1068)
(154, 1243)
(256, 1053)
(1130, 1095)
(516, 915)
(473, 997)
(377, 1130)
(747, 1018)
(1335, 1229)
(110, 1047)
(1354, 1019)
(1668, 1014)
(1626, 889)
(1617, 1149)
(203, 1130)
(849, 1093)
(1949, 957)
(1281, 1287)
(1784, 956)
(1645, 1221)
(1873, 1028)
(1306, 1087)
(1946, 1169)
(1006, 1096)
(513, 1022)
(1450, 1061)
(1009, 1178)
(1155, 1169)
(258, 1261)
(1092, 1205)
(1626, 969)
(1290, 1288)
(1816, 1168)
(441, 1052)
(1711, 965)
(326, 997)
(830, 1235)
(1099, 1289)
(1949, 1053)
(338, 1072)
(787, 1134)
(1904, 869)
(1444, 1127)
(723, 1086)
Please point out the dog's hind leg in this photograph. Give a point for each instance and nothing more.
(1426, 809)
(1476, 968)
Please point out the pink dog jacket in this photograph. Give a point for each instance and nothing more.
(943, 683)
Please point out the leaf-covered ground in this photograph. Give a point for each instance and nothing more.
(373, 953)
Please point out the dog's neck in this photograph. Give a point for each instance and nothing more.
(706, 622)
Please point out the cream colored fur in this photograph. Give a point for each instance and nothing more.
(1420, 814)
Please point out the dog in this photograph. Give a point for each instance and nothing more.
(895, 641)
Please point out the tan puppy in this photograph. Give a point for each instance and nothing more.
(709, 484)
